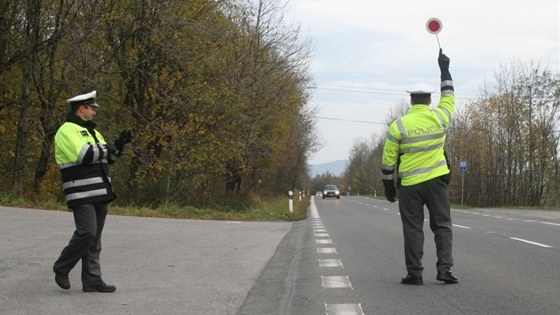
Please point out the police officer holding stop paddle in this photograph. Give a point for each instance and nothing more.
(414, 151)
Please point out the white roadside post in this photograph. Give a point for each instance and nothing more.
(300, 195)
(291, 201)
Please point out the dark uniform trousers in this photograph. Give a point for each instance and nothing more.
(434, 195)
(85, 244)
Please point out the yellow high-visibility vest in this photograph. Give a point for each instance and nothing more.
(71, 143)
(83, 164)
(416, 142)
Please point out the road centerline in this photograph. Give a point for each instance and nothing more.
(530, 242)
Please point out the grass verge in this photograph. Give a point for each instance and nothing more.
(269, 210)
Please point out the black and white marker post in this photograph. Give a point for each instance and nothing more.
(291, 201)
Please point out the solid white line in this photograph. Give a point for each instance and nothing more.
(530, 242)
(461, 226)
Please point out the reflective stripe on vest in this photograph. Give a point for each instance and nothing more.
(67, 165)
(423, 170)
(421, 149)
(83, 182)
(86, 194)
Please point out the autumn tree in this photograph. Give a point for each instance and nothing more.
(215, 91)
(364, 170)
(510, 138)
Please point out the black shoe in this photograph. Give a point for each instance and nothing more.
(62, 280)
(103, 287)
(410, 279)
(447, 277)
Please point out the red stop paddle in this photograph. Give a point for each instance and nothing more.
(434, 26)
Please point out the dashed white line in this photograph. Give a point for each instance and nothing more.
(331, 282)
(530, 242)
(344, 309)
(326, 250)
(330, 263)
(323, 241)
(550, 223)
(336, 282)
(462, 226)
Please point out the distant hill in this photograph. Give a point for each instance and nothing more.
(335, 167)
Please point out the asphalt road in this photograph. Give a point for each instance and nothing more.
(160, 266)
(346, 258)
(506, 260)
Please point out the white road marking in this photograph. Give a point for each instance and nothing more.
(550, 223)
(530, 242)
(326, 250)
(336, 282)
(330, 263)
(344, 309)
(461, 226)
(328, 282)
(323, 242)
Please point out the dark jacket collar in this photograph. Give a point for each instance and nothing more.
(73, 118)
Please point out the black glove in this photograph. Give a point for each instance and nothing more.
(390, 190)
(111, 148)
(124, 138)
(443, 62)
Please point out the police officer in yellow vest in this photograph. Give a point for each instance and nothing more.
(82, 154)
(414, 149)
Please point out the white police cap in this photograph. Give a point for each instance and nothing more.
(88, 98)
(420, 88)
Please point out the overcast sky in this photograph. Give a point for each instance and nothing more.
(366, 53)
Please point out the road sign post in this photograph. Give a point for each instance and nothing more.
(463, 168)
